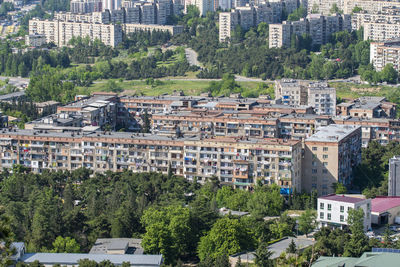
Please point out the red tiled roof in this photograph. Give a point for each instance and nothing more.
(342, 198)
(381, 204)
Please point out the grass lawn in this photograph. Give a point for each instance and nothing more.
(166, 87)
(348, 90)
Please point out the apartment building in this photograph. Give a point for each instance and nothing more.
(86, 6)
(330, 156)
(301, 126)
(227, 23)
(248, 16)
(35, 40)
(324, 7)
(214, 123)
(60, 32)
(236, 161)
(369, 6)
(381, 31)
(94, 17)
(279, 34)
(291, 92)
(385, 52)
(367, 107)
(318, 27)
(322, 98)
(131, 27)
(394, 177)
(359, 19)
(333, 210)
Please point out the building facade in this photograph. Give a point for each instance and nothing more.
(330, 156)
(383, 53)
(322, 98)
(333, 210)
(394, 177)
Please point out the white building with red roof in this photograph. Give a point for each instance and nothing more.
(384, 210)
(333, 210)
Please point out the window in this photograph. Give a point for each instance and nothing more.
(321, 206)
(325, 164)
(325, 171)
(342, 218)
(348, 208)
(314, 170)
(324, 156)
(341, 208)
(325, 148)
(329, 207)
(329, 216)
(314, 148)
(321, 215)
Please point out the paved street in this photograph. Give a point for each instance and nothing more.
(17, 81)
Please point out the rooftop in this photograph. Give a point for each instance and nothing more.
(129, 245)
(73, 258)
(342, 198)
(368, 259)
(332, 133)
(383, 203)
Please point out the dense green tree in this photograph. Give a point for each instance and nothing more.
(358, 242)
(65, 245)
(263, 256)
(227, 237)
(167, 232)
(307, 221)
(265, 201)
(284, 226)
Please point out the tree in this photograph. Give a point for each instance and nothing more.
(358, 242)
(389, 74)
(299, 13)
(146, 122)
(5, 240)
(263, 256)
(387, 237)
(114, 87)
(265, 201)
(168, 231)
(335, 9)
(339, 188)
(307, 221)
(292, 247)
(227, 237)
(284, 226)
(65, 245)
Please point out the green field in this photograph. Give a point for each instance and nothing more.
(352, 91)
(165, 87)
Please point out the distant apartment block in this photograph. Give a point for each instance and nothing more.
(381, 31)
(204, 6)
(318, 27)
(86, 6)
(60, 32)
(358, 20)
(394, 177)
(368, 6)
(330, 156)
(248, 16)
(333, 210)
(367, 107)
(322, 98)
(173, 30)
(291, 92)
(35, 40)
(323, 7)
(386, 52)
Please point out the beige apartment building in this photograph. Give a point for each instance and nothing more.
(330, 156)
(61, 32)
(227, 23)
(358, 20)
(317, 26)
(291, 92)
(172, 29)
(381, 31)
(236, 161)
(383, 53)
(369, 6)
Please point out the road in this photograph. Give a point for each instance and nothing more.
(16, 81)
(191, 57)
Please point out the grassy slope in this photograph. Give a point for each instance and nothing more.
(138, 87)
